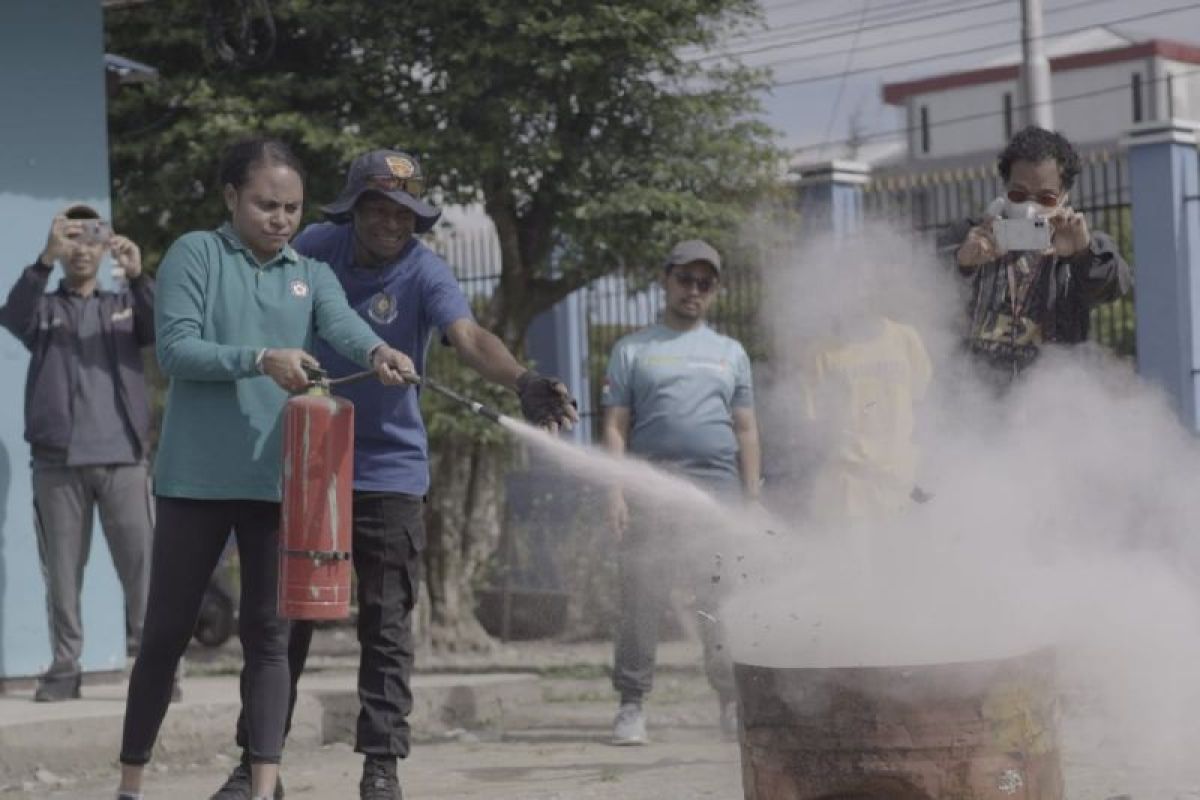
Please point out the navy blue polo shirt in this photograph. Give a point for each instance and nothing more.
(404, 302)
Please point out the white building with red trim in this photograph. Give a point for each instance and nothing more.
(1103, 82)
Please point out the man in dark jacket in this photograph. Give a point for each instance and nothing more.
(1023, 299)
(87, 422)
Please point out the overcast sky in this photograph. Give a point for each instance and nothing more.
(806, 39)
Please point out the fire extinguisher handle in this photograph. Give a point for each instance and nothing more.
(319, 555)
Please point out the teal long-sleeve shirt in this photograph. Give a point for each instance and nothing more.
(217, 307)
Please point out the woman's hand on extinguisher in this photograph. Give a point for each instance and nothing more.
(286, 366)
(392, 366)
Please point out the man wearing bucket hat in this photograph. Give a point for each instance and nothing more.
(405, 291)
(678, 394)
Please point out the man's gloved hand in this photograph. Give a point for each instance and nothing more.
(546, 402)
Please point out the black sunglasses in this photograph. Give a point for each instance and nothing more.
(1046, 198)
(390, 183)
(703, 285)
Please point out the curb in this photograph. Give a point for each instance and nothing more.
(83, 736)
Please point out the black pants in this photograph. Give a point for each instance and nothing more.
(389, 534)
(189, 536)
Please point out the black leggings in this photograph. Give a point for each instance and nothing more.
(189, 536)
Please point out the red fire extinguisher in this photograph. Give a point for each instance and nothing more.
(315, 525)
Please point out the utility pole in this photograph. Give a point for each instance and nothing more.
(1035, 68)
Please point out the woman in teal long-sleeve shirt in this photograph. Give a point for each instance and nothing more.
(237, 311)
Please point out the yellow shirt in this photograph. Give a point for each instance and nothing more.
(859, 395)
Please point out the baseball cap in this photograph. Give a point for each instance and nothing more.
(694, 250)
(392, 173)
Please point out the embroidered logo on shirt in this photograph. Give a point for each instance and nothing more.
(299, 288)
(124, 313)
(382, 308)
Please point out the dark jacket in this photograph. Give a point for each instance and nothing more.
(46, 324)
(1059, 302)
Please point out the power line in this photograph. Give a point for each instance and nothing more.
(837, 102)
(909, 129)
(922, 37)
(956, 6)
(977, 48)
(844, 19)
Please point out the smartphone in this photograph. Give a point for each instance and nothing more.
(1019, 235)
(95, 231)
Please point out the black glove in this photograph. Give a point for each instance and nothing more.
(545, 400)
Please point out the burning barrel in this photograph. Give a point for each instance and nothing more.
(982, 730)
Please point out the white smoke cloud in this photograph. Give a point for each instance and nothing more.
(1065, 514)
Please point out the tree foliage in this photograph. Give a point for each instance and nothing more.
(585, 129)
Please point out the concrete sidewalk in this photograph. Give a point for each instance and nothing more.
(42, 741)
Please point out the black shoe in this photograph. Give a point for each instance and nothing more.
(237, 785)
(54, 690)
(176, 691)
(379, 781)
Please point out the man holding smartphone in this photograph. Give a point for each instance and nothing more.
(1035, 290)
(87, 421)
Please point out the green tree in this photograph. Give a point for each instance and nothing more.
(585, 130)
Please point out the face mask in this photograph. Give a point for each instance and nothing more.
(1007, 209)
(1026, 210)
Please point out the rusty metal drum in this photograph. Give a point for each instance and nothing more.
(983, 730)
(315, 522)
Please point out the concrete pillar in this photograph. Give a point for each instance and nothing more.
(1165, 186)
(53, 151)
(831, 198)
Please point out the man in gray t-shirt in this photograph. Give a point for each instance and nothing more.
(678, 394)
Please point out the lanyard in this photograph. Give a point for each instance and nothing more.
(1018, 305)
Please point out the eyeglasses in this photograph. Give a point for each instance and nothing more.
(689, 282)
(1043, 198)
(390, 183)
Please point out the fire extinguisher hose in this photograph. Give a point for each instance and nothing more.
(487, 412)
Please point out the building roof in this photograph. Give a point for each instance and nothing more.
(1065, 55)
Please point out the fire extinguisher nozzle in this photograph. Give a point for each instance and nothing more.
(487, 412)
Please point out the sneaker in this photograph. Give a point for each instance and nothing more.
(237, 785)
(55, 690)
(379, 780)
(729, 721)
(630, 725)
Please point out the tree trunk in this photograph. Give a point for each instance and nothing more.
(463, 523)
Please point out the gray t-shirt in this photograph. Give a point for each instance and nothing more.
(681, 388)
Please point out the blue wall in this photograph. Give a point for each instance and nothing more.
(53, 152)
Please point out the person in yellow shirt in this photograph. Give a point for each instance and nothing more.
(860, 385)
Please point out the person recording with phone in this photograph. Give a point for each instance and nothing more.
(87, 421)
(1036, 268)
